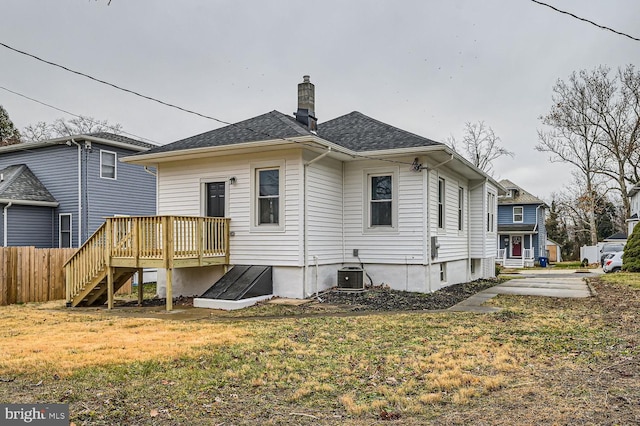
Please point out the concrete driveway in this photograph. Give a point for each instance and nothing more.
(536, 282)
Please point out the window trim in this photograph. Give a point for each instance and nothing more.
(70, 215)
(442, 203)
(255, 211)
(366, 220)
(521, 214)
(115, 164)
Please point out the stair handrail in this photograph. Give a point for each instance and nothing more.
(88, 261)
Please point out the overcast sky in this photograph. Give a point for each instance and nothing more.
(422, 65)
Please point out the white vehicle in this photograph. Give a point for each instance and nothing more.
(613, 263)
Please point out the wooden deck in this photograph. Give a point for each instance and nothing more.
(123, 246)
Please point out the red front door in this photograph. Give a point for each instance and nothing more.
(516, 246)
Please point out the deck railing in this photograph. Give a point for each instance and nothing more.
(147, 241)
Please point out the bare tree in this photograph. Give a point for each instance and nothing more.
(616, 108)
(574, 138)
(480, 146)
(80, 125)
(595, 119)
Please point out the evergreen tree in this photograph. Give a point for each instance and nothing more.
(8, 133)
(631, 256)
(557, 230)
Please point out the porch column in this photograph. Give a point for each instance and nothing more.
(169, 289)
(109, 287)
(140, 286)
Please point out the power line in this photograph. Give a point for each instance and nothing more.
(115, 86)
(70, 113)
(170, 105)
(585, 20)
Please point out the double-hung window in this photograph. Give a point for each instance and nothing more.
(441, 197)
(491, 209)
(381, 200)
(517, 214)
(108, 164)
(268, 190)
(460, 208)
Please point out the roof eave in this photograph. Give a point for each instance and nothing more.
(186, 154)
(68, 139)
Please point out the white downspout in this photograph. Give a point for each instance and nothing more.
(79, 191)
(428, 210)
(305, 249)
(6, 222)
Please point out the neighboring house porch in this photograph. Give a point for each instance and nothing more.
(516, 245)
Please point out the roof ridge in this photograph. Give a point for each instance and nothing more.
(293, 124)
(390, 126)
(19, 168)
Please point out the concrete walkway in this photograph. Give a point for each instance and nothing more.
(547, 283)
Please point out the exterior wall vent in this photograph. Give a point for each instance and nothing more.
(351, 278)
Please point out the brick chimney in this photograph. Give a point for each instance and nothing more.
(306, 113)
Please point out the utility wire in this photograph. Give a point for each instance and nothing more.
(585, 20)
(115, 86)
(170, 105)
(70, 113)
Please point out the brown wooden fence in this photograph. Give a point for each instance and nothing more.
(28, 274)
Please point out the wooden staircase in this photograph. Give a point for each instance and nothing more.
(123, 246)
(96, 294)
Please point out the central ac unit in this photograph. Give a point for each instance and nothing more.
(351, 278)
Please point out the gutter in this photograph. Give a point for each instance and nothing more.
(5, 223)
(29, 202)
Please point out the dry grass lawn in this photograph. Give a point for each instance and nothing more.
(37, 338)
(538, 361)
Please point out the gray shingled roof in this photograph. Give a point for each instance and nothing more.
(120, 138)
(523, 196)
(272, 125)
(354, 131)
(20, 184)
(359, 132)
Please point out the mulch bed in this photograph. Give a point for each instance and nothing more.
(374, 298)
(385, 299)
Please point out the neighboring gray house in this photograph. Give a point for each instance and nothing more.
(56, 193)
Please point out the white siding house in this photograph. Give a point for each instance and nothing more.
(634, 214)
(309, 199)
